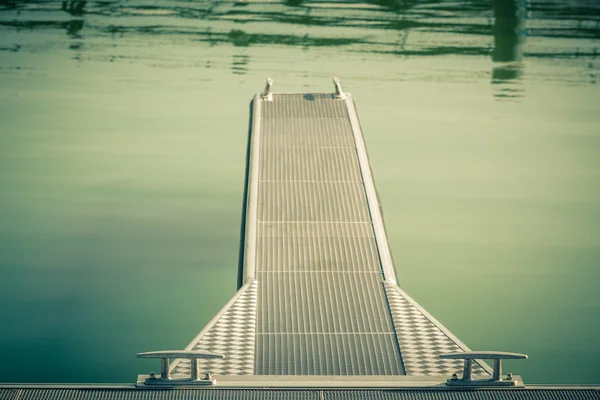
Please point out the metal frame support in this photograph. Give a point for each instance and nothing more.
(165, 377)
(339, 93)
(496, 380)
(267, 95)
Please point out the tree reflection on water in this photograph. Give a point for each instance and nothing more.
(509, 36)
(395, 27)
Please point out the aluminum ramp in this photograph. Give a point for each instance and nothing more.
(319, 294)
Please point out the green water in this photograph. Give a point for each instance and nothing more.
(123, 129)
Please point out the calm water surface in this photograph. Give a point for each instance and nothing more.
(123, 129)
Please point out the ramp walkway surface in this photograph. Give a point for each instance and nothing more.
(319, 293)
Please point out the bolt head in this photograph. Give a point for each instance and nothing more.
(152, 375)
(207, 376)
(454, 377)
(509, 376)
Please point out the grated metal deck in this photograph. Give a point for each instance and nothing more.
(320, 318)
(319, 294)
(60, 393)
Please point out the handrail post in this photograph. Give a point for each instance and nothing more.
(164, 369)
(497, 369)
(266, 94)
(195, 369)
(339, 94)
(468, 368)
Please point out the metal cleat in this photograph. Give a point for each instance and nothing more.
(496, 380)
(194, 356)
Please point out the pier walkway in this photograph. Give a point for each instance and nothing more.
(319, 293)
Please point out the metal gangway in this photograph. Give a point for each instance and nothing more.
(318, 313)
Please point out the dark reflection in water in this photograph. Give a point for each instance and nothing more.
(509, 36)
(507, 82)
(241, 38)
(209, 37)
(239, 65)
(406, 28)
(509, 29)
(437, 16)
(74, 27)
(294, 3)
(75, 8)
(396, 5)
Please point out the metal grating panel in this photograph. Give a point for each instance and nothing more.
(322, 302)
(322, 308)
(233, 335)
(309, 164)
(494, 394)
(299, 394)
(301, 132)
(306, 106)
(187, 394)
(316, 247)
(328, 354)
(312, 201)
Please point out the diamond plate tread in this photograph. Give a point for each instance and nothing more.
(233, 335)
(421, 341)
